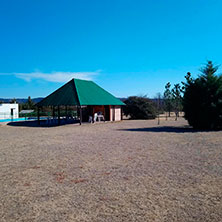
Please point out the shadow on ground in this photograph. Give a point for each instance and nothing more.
(161, 129)
(42, 124)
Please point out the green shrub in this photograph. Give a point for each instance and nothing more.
(139, 108)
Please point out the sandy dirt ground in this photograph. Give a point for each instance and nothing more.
(125, 171)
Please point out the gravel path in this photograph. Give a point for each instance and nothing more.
(125, 171)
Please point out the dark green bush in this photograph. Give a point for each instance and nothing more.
(202, 99)
(139, 108)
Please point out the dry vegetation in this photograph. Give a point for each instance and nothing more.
(128, 171)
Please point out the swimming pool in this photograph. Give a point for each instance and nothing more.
(21, 119)
(10, 120)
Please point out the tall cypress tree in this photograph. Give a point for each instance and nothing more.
(202, 99)
(168, 99)
(177, 99)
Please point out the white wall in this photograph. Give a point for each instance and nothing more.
(111, 113)
(117, 111)
(5, 110)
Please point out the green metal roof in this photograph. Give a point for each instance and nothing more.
(81, 93)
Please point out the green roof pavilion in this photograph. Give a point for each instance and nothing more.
(80, 93)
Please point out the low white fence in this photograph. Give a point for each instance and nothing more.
(7, 115)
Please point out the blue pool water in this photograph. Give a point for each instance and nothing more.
(21, 119)
(10, 120)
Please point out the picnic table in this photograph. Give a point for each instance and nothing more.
(100, 117)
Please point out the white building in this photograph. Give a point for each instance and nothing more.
(8, 111)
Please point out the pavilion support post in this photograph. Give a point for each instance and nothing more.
(66, 113)
(38, 114)
(80, 112)
(58, 115)
(53, 112)
(104, 116)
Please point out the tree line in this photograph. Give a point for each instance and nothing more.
(29, 104)
(199, 98)
(142, 107)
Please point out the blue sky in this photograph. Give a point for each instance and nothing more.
(129, 47)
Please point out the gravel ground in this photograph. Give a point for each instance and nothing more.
(125, 171)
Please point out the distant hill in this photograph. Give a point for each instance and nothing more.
(18, 100)
(38, 99)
